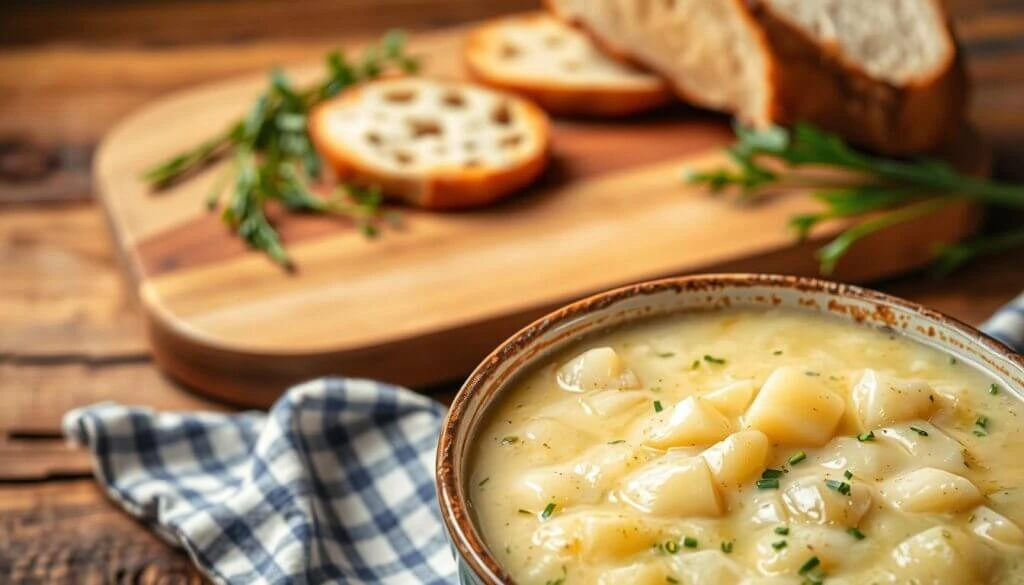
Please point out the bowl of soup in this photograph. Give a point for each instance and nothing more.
(739, 429)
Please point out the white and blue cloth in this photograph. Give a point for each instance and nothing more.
(334, 485)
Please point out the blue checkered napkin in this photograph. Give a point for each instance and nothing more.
(1007, 325)
(334, 485)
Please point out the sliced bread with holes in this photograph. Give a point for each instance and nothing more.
(433, 144)
(560, 68)
(884, 74)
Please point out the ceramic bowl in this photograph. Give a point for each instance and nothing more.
(642, 301)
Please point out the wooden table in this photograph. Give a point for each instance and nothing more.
(69, 332)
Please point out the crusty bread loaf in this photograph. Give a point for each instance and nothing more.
(885, 74)
(434, 144)
(560, 68)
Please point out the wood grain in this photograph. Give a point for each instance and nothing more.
(231, 324)
(67, 532)
(61, 293)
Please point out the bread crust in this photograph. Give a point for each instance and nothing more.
(569, 99)
(811, 82)
(440, 187)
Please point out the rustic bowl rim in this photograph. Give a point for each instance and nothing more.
(455, 513)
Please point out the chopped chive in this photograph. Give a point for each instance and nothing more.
(919, 431)
(855, 533)
(783, 530)
(617, 442)
(848, 474)
(797, 457)
(727, 547)
(713, 360)
(526, 512)
(812, 374)
(868, 436)
(978, 433)
(779, 545)
(811, 564)
(671, 547)
(840, 486)
(509, 440)
(993, 389)
(690, 542)
(952, 361)
(767, 484)
(771, 473)
(657, 406)
(671, 579)
(483, 481)
(667, 354)
(695, 364)
(548, 510)
(982, 422)
(777, 352)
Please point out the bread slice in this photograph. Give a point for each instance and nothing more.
(885, 74)
(560, 68)
(433, 144)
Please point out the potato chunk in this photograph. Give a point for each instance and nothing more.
(931, 490)
(596, 536)
(870, 459)
(880, 399)
(673, 487)
(733, 399)
(833, 547)
(611, 403)
(933, 449)
(794, 408)
(941, 556)
(995, 528)
(810, 500)
(600, 368)
(551, 440)
(648, 573)
(706, 566)
(690, 422)
(584, 479)
(739, 458)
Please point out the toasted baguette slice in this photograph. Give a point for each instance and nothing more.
(433, 144)
(885, 74)
(560, 68)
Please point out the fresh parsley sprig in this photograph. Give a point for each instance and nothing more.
(902, 189)
(272, 155)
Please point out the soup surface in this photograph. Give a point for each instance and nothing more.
(755, 448)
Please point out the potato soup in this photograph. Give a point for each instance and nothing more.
(756, 448)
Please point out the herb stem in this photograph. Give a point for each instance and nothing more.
(837, 248)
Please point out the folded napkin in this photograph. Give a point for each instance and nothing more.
(334, 485)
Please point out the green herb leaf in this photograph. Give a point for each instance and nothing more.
(548, 511)
(904, 189)
(273, 155)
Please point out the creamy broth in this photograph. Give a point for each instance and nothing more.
(756, 448)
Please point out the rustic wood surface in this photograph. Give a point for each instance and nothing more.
(611, 197)
(69, 332)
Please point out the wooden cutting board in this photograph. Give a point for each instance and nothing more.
(424, 304)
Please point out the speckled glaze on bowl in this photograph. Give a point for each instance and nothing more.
(676, 295)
